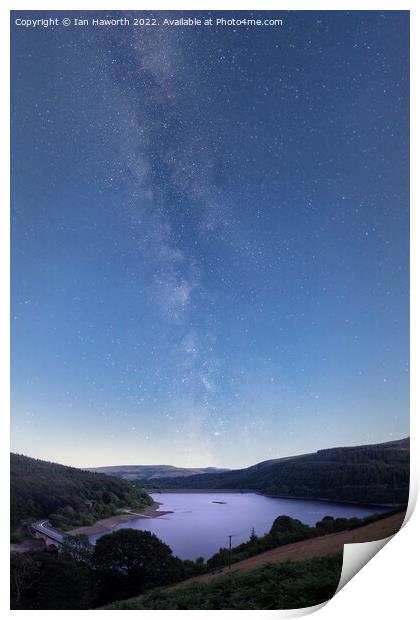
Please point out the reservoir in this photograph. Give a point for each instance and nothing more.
(201, 522)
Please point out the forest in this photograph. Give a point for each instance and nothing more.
(378, 473)
(68, 496)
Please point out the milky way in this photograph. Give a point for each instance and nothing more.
(210, 238)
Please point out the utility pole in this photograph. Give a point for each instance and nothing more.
(230, 550)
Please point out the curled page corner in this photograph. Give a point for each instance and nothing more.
(356, 556)
(412, 498)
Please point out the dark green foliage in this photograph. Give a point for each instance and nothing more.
(129, 561)
(70, 497)
(366, 474)
(78, 549)
(79, 577)
(253, 537)
(287, 530)
(369, 473)
(329, 525)
(288, 585)
(254, 546)
(192, 569)
(16, 537)
(44, 580)
(284, 531)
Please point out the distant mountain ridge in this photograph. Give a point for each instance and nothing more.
(153, 472)
(374, 473)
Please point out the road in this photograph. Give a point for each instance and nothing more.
(44, 527)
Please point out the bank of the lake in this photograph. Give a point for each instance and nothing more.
(104, 526)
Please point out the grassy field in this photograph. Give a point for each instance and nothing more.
(288, 585)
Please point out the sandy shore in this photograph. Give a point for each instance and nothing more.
(106, 525)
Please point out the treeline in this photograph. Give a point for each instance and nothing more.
(287, 585)
(284, 531)
(68, 496)
(367, 474)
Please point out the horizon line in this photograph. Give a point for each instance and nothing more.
(215, 466)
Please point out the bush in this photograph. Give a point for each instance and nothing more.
(44, 580)
(129, 561)
(287, 585)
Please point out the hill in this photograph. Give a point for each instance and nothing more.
(153, 472)
(68, 496)
(288, 585)
(377, 473)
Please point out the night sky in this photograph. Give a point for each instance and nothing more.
(210, 238)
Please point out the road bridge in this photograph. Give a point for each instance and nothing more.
(43, 530)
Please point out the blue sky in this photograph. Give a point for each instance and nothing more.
(209, 239)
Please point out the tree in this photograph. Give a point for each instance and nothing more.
(42, 580)
(128, 561)
(25, 571)
(285, 530)
(78, 548)
(253, 537)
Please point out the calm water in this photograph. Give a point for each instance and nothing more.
(199, 527)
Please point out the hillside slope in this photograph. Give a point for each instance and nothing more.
(69, 497)
(377, 473)
(288, 585)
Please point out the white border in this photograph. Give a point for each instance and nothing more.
(387, 586)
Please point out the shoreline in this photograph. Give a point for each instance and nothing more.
(108, 524)
(256, 492)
